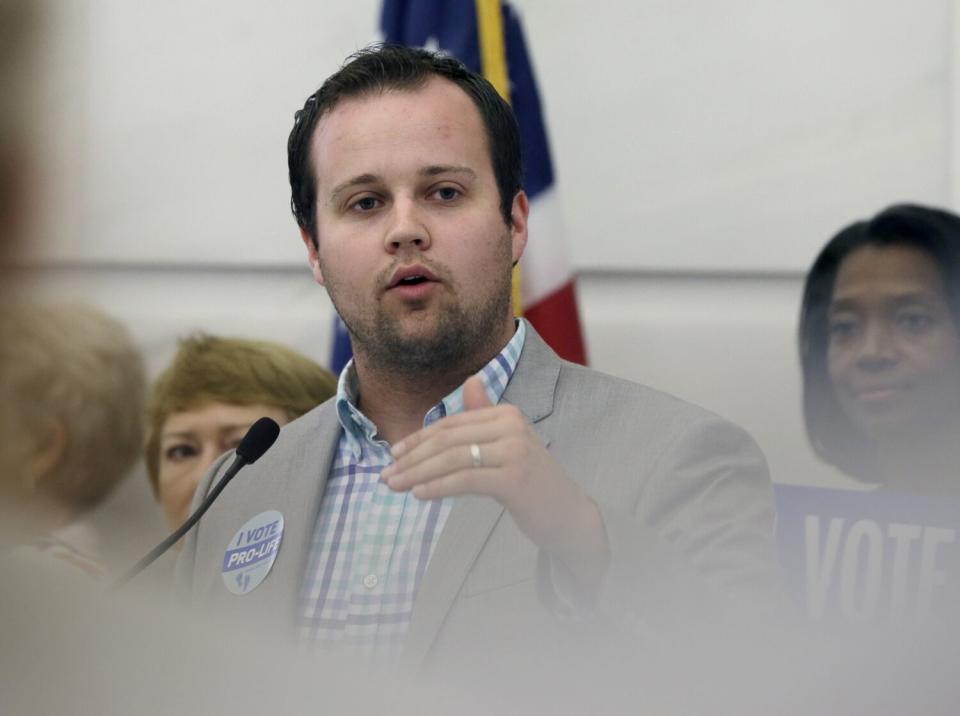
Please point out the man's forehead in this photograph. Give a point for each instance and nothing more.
(441, 97)
(433, 85)
(437, 115)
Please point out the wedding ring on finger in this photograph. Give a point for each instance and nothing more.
(475, 454)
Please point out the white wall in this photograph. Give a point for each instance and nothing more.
(697, 135)
(688, 135)
(704, 152)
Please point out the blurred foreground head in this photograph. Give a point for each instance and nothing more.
(19, 40)
(880, 345)
(71, 411)
(204, 402)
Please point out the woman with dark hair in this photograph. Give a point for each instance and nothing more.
(880, 350)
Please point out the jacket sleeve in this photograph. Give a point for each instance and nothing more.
(696, 550)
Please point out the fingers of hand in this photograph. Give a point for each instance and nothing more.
(456, 439)
(445, 450)
(457, 459)
(474, 417)
(475, 394)
(448, 486)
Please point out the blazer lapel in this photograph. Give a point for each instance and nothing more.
(469, 525)
(473, 518)
(298, 500)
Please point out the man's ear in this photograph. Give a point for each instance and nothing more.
(519, 213)
(313, 256)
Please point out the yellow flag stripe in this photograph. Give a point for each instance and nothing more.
(493, 59)
(515, 294)
(493, 50)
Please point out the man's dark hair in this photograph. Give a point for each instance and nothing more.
(383, 67)
(933, 231)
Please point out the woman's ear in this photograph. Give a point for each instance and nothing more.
(45, 454)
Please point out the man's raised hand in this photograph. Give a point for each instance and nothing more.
(493, 451)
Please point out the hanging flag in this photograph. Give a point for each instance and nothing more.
(342, 351)
(487, 37)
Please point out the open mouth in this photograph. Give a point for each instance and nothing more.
(410, 278)
(411, 281)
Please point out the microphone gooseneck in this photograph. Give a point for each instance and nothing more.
(259, 438)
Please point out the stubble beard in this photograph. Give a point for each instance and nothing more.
(463, 340)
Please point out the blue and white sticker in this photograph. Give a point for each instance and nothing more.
(252, 551)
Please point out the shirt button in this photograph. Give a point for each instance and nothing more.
(370, 581)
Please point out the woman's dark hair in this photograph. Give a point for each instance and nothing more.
(933, 231)
(383, 67)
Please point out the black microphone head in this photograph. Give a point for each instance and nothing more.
(261, 435)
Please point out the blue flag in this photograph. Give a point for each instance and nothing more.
(342, 350)
(451, 26)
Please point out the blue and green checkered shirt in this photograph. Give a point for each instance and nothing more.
(371, 545)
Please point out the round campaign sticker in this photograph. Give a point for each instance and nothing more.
(251, 552)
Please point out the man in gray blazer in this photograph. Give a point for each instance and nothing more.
(466, 488)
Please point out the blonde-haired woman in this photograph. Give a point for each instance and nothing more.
(203, 403)
(72, 390)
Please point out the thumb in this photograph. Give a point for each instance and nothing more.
(474, 394)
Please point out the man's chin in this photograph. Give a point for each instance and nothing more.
(415, 332)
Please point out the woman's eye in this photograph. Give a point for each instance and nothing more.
(841, 329)
(178, 453)
(914, 322)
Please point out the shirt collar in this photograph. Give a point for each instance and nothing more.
(496, 374)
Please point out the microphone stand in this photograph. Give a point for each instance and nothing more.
(154, 554)
(261, 435)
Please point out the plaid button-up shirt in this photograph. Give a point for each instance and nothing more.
(371, 545)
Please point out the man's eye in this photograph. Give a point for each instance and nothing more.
(447, 193)
(366, 203)
(178, 453)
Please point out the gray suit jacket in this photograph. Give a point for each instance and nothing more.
(685, 497)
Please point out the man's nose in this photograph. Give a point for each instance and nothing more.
(407, 228)
(878, 349)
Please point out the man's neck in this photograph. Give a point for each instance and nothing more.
(397, 403)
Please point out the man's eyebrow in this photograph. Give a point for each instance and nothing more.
(355, 181)
(436, 169)
(430, 171)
